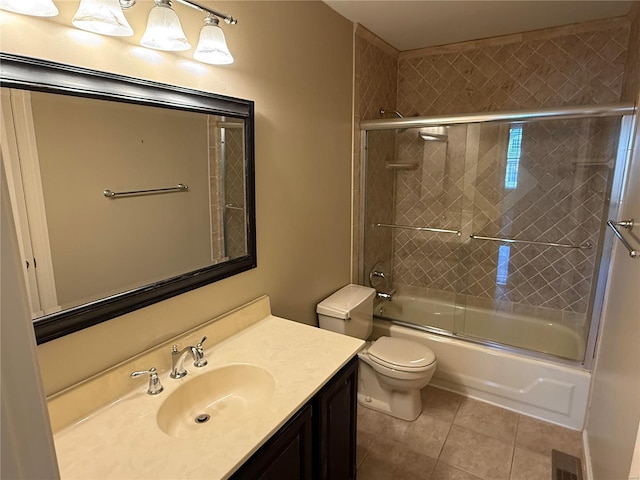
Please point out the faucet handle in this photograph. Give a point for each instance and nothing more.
(155, 386)
(199, 360)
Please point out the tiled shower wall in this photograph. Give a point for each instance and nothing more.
(375, 88)
(573, 65)
(235, 221)
(216, 200)
(226, 187)
(562, 183)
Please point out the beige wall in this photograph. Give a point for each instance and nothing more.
(125, 147)
(614, 410)
(613, 419)
(301, 81)
(26, 449)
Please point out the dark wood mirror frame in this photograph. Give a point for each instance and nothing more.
(40, 75)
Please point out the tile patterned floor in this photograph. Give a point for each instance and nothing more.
(458, 438)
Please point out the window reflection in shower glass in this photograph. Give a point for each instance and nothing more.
(513, 157)
(502, 272)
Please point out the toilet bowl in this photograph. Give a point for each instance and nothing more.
(392, 373)
(391, 370)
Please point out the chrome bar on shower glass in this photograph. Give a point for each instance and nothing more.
(584, 246)
(420, 229)
(612, 110)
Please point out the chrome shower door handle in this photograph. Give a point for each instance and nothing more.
(628, 224)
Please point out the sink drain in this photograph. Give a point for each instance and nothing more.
(202, 418)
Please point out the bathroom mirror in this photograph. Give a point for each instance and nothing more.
(125, 192)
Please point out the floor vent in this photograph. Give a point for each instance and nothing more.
(565, 466)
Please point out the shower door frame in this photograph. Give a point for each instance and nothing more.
(626, 112)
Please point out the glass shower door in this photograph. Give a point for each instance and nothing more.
(414, 183)
(540, 199)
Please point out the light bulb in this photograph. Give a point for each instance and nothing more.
(212, 46)
(102, 16)
(36, 8)
(164, 31)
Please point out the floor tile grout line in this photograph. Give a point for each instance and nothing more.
(449, 420)
(449, 431)
(375, 439)
(513, 453)
(488, 437)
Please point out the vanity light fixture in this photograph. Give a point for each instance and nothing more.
(163, 32)
(35, 8)
(102, 16)
(212, 46)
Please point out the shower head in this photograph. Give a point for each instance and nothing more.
(434, 134)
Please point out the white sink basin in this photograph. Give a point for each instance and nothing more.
(217, 401)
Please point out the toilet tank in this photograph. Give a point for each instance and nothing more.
(348, 311)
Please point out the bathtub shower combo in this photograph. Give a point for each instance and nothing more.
(486, 238)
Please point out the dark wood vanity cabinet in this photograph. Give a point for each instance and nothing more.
(335, 426)
(287, 455)
(319, 442)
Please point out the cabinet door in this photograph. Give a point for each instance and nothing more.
(286, 456)
(335, 423)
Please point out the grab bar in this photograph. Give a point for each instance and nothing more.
(583, 246)
(420, 229)
(628, 224)
(179, 188)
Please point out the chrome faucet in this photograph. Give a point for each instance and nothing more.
(155, 387)
(178, 356)
(376, 273)
(384, 296)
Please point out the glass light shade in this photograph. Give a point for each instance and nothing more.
(102, 16)
(164, 31)
(212, 46)
(36, 8)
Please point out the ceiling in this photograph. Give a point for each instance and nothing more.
(408, 25)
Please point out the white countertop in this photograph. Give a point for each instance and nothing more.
(123, 440)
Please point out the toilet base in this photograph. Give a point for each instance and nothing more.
(405, 405)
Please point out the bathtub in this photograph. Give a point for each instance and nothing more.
(537, 387)
(479, 323)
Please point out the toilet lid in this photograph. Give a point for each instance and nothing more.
(404, 354)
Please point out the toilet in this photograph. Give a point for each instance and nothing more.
(391, 370)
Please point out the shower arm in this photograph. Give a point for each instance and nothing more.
(398, 114)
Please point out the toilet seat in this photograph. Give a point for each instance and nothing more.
(402, 355)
